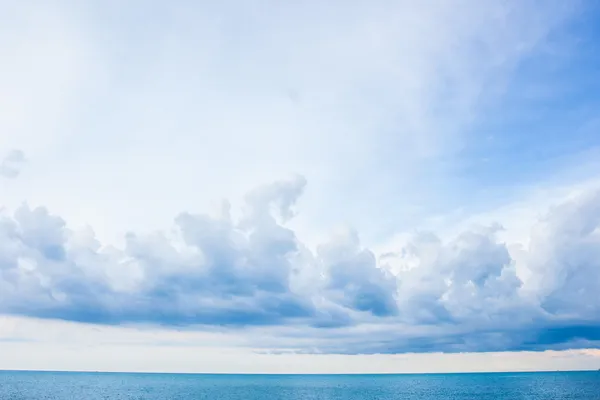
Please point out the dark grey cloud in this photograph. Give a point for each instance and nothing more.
(216, 271)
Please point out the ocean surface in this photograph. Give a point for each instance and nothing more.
(108, 386)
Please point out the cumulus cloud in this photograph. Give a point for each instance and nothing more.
(463, 294)
(12, 163)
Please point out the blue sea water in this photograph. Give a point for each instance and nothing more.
(121, 386)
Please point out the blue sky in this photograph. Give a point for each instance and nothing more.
(300, 184)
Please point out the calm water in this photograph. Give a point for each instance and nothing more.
(90, 386)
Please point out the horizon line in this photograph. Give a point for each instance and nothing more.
(296, 374)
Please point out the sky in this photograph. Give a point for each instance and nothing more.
(311, 187)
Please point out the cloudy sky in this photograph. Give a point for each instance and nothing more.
(267, 186)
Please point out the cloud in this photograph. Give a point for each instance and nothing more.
(564, 257)
(12, 163)
(196, 95)
(354, 279)
(253, 272)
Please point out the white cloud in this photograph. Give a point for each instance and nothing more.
(10, 166)
(196, 102)
(240, 275)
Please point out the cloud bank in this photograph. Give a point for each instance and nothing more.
(473, 292)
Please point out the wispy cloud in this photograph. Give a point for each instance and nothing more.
(386, 94)
(12, 163)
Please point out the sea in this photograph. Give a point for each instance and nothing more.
(130, 386)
